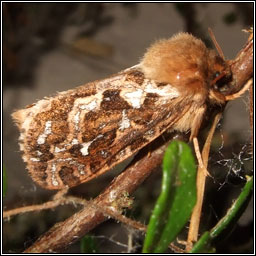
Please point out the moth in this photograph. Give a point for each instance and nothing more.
(81, 133)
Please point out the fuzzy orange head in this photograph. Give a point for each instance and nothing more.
(187, 64)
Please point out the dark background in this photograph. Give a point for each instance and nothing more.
(49, 47)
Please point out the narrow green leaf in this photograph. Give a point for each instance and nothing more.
(4, 181)
(202, 244)
(176, 200)
(88, 245)
(234, 211)
(232, 214)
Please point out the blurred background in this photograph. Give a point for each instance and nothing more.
(49, 47)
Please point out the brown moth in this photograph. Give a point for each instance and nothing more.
(81, 133)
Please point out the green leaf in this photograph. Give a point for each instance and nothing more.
(4, 181)
(177, 198)
(88, 245)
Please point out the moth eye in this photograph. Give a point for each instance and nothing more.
(220, 81)
(216, 74)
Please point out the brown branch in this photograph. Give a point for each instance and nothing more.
(242, 67)
(32, 208)
(61, 200)
(112, 212)
(57, 200)
(250, 39)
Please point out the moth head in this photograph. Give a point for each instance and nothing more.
(219, 77)
(187, 64)
(180, 61)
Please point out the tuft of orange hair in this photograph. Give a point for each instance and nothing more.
(182, 61)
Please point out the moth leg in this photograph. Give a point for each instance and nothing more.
(193, 136)
(196, 123)
(238, 94)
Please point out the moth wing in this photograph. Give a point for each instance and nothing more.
(81, 133)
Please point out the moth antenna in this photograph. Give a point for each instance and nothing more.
(218, 78)
(217, 46)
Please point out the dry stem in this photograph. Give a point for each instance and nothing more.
(201, 178)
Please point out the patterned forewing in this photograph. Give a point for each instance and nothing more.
(79, 134)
